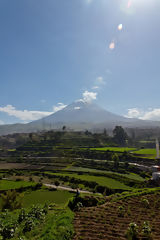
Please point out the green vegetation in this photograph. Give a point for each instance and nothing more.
(132, 176)
(96, 162)
(103, 181)
(132, 232)
(11, 200)
(7, 184)
(147, 151)
(39, 222)
(114, 149)
(135, 193)
(58, 226)
(42, 196)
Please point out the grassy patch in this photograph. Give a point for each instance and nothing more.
(58, 226)
(42, 196)
(114, 149)
(7, 184)
(147, 151)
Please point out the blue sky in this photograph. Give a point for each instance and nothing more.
(53, 52)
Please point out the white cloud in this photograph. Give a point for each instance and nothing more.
(89, 96)
(77, 108)
(1, 122)
(150, 114)
(24, 115)
(59, 107)
(133, 113)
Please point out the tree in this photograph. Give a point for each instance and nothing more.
(120, 136)
(11, 200)
(64, 128)
(115, 160)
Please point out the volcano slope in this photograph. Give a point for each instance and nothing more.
(111, 220)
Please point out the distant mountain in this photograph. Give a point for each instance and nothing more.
(80, 111)
(79, 116)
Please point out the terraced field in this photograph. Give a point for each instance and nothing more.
(146, 151)
(111, 220)
(90, 170)
(41, 196)
(7, 184)
(114, 149)
(103, 181)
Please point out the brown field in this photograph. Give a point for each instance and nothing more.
(39, 166)
(4, 165)
(107, 222)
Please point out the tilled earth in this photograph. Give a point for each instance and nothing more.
(111, 220)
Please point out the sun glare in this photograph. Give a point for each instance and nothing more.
(139, 2)
(120, 27)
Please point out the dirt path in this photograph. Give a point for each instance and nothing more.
(66, 188)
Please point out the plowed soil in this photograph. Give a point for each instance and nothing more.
(109, 222)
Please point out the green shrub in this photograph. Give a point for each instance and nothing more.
(11, 200)
(121, 211)
(86, 201)
(145, 202)
(146, 231)
(132, 232)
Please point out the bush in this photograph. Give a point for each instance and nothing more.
(132, 232)
(11, 200)
(86, 201)
(146, 231)
(121, 211)
(145, 202)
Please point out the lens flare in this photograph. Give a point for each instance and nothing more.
(120, 27)
(112, 45)
(129, 3)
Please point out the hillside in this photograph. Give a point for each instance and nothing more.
(111, 220)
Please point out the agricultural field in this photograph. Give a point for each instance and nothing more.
(7, 184)
(132, 176)
(114, 149)
(103, 181)
(42, 196)
(85, 163)
(120, 219)
(147, 151)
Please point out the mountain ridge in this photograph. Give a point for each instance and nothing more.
(79, 115)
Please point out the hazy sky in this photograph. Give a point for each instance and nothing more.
(53, 52)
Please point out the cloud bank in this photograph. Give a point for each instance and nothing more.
(150, 114)
(23, 115)
(26, 115)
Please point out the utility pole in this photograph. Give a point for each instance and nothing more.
(157, 148)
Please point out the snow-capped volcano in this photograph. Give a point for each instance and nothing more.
(79, 115)
(81, 111)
